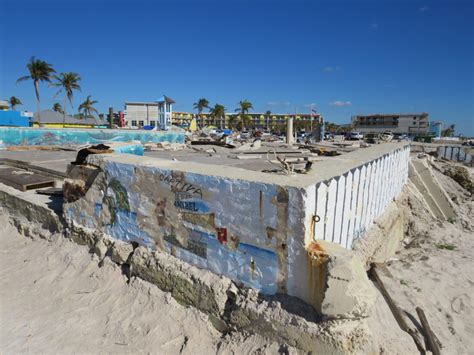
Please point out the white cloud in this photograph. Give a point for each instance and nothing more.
(340, 103)
(424, 8)
(313, 105)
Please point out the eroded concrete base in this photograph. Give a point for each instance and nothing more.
(231, 307)
(384, 238)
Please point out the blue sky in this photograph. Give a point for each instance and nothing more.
(347, 57)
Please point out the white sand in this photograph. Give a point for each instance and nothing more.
(55, 299)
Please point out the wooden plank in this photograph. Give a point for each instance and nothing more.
(24, 180)
(428, 333)
(397, 314)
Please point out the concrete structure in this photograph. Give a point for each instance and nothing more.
(436, 198)
(457, 152)
(4, 105)
(229, 307)
(266, 231)
(409, 123)
(53, 119)
(158, 114)
(10, 136)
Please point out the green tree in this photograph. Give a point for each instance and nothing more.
(243, 109)
(39, 71)
(67, 82)
(218, 112)
(58, 108)
(200, 105)
(14, 101)
(87, 107)
(448, 132)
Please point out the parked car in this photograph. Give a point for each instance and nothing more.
(355, 136)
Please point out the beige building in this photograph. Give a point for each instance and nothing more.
(156, 113)
(409, 123)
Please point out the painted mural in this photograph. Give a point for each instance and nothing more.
(11, 136)
(189, 218)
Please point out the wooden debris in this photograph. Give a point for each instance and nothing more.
(428, 333)
(24, 180)
(394, 308)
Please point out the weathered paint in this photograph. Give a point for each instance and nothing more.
(10, 136)
(193, 217)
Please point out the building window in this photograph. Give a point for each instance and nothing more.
(134, 123)
(152, 123)
(140, 123)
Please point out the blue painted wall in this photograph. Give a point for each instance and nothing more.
(13, 118)
(10, 136)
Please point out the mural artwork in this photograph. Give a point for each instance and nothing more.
(164, 210)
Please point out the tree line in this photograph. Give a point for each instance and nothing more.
(218, 113)
(66, 83)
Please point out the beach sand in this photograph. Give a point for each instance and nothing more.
(55, 299)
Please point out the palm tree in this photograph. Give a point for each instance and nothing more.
(200, 106)
(87, 107)
(267, 115)
(243, 109)
(57, 107)
(39, 71)
(218, 112)
(67, 82)
(14, 101)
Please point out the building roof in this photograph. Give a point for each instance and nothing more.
(141, 103)
(393, 114)
(166, 99)
(50, 116)
(163, 98)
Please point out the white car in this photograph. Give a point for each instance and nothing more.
(355, 136)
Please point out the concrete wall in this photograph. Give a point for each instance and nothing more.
(456, 153)
(232, 227)
(14, 118)
(252, 227)
(10, 136)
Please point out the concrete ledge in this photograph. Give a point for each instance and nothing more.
(30, 212)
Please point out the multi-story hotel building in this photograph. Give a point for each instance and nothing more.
(407, 123)
(260, 121)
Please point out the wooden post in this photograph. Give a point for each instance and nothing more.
(394, 308)
(428, 333)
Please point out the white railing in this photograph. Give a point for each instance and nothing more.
(346, 205)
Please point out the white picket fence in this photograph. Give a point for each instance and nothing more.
(348, 204)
